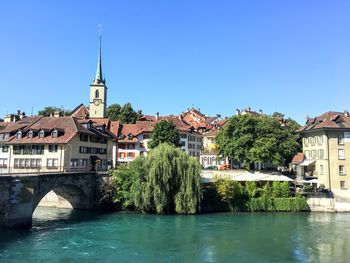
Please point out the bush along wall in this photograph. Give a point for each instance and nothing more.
(267, 198)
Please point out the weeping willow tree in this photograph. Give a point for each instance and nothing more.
(165, 182)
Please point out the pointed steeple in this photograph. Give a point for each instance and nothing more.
(99, 77)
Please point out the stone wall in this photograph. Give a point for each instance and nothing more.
(5, 186)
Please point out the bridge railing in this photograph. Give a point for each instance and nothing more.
(48, 170)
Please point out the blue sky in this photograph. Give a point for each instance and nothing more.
(286, 56)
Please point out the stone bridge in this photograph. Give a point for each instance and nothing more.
(20, 195)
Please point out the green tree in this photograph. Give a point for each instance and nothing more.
(164, 132)
(230, 192)
(166, 181)
(251, 189)
(125, 113)
(49, 110)
(258, 139)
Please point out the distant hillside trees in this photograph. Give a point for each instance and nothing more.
(49, 110)
(124, 114)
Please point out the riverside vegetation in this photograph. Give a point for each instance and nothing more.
(168, 181)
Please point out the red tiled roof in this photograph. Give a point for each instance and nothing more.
(80, 111)
(298, 158)
(328, 120)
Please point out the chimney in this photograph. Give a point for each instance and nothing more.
(218, 115)
(21, 115)
(260, 112)
(56, 114)
(248, 109)
(157, 115)
(238, 112)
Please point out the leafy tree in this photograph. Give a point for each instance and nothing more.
(164, 132)
(113, 111)
(280, 189)
(258, 139)
(49, 110)
(230, 191)
(166, 181)
(125, 113)
(251, 189)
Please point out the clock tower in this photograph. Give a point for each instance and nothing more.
(98, 92)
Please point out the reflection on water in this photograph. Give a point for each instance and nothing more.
(62, 235)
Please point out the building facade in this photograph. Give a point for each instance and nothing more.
(326, 147)
(54, 144)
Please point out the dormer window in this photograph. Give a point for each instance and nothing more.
(19, 135)
(87, 125)
(97, 94)
(30, 134)
(41, 134)
(54, 134)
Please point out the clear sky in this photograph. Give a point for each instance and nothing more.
(287, 56)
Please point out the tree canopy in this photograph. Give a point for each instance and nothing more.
(258, 139)
(166, 181)
(49, 110)
(125, 113)
(164, 132)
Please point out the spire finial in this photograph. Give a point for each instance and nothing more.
(99, 77)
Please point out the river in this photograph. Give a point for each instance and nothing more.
(63, 235)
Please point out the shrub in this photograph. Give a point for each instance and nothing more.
(263, 204)
(230, 192)
(251, 189)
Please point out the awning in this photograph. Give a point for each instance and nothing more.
(313, 181)
(277, 178)
(307, 162)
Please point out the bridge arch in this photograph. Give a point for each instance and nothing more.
(25, 192)
(72, 194)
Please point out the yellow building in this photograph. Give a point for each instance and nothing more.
(326, 147)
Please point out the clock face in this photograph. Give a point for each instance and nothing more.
(97, 102)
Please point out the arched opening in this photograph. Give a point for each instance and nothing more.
(58, 204)
(97, 94)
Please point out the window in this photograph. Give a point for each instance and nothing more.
(97, 94)
(146, 136)
(19, 135)
(84, 137)
(5, 149)
(341, 170)
(30, 134)
(53, 148)
(306, 141)
(321, 169)
(321, 154)
(341, 139)
(74, 162)
(320, 140)
(342, 185)
(131, 155)
(121, 155)
(54, 134)
(312, 141)
(3, 162)
(131, 146)
(183, 135)
(142, 145)
(313, 154)
(341, 154)
(41, 134)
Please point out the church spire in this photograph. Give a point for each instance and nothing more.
(99, 77)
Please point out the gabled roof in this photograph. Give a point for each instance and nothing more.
(20, 125)
(80, 112)
(298, 158)
(328, 120)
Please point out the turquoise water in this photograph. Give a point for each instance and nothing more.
(60, 235)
